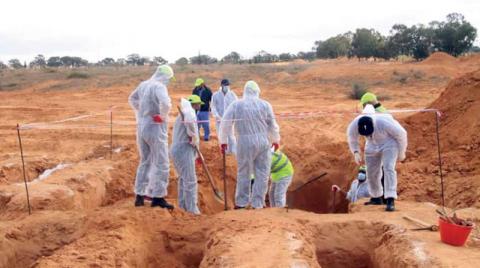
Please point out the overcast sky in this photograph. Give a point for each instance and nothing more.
(95, 29)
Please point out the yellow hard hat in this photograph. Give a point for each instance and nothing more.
(166, 70)
(368, 97)
(253, 86)
(194, 99)
(199, 81)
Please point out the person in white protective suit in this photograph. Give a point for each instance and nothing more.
(358, 188)
(152, 104)
(220, 102)
(185, 139)
(256, 131)
(386, 142)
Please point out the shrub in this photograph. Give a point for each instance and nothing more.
(417, 74)
(49, 70)
(358, 90)
(75, 75)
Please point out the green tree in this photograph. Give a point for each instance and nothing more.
(334, 47)
(400, 40)
(182, 61)
(422, 41)
(309, 56)
(366, 42)
(454, 36)
(121, 62)
(39, 61)
(54, 62)
(203, 59)
(159, 60)
(264, 57)
(69, 61)
(134, 59)
(286, 57)
(107, 62)
(232, 58)
(15, 64)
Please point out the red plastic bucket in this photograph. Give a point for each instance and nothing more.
(453, 234)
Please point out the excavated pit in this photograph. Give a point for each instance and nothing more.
(316, 242)
(365, 245)
(317, 197)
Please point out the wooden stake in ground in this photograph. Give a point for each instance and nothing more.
(225, 181)
(111, 132)
(437, 128)
(23, 168)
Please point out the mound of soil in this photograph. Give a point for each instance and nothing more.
(440, 58)
(460, 144)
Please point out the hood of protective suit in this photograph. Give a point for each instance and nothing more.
(189, 117)
(163, 74)
(369, 109)
(251, 90)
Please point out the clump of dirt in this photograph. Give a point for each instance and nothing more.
(460, 144)
(439, 58)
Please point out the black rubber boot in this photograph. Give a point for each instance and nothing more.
(374, 201)
(390, 204)
(139, 200)
(161, 202)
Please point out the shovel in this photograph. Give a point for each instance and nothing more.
(422, 225)
(218, 194)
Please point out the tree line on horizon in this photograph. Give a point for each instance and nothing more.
(454, 36)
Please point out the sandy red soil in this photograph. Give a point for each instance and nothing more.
(83, 215)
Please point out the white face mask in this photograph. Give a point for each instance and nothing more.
(361, 177)
(225, 89)
(165, 81)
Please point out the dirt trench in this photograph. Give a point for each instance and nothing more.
(308, 242)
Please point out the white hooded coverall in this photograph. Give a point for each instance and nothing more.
(387, 142)
(148, 99)
(255, 130)
(185, 136)
(220, 103)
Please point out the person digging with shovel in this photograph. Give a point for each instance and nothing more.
(183, 152)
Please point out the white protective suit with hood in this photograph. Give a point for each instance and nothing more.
(255, 130)
(220, 102)
(387, 143)
(357, 191)
(151, 98)
(185, 137)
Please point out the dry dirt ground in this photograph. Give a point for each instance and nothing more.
(83, 214)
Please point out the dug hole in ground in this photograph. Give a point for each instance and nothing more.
(82, 200)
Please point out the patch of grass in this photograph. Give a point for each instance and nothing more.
(358, 89)
(49, 70)
(417, 74)
(78, 75)
(400, 77)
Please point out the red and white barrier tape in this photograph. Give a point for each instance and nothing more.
(279, 116)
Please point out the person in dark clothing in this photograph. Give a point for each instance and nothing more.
(203, 115)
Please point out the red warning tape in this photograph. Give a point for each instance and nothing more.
(280, 116)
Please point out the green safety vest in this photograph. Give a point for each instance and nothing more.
(281, 166)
